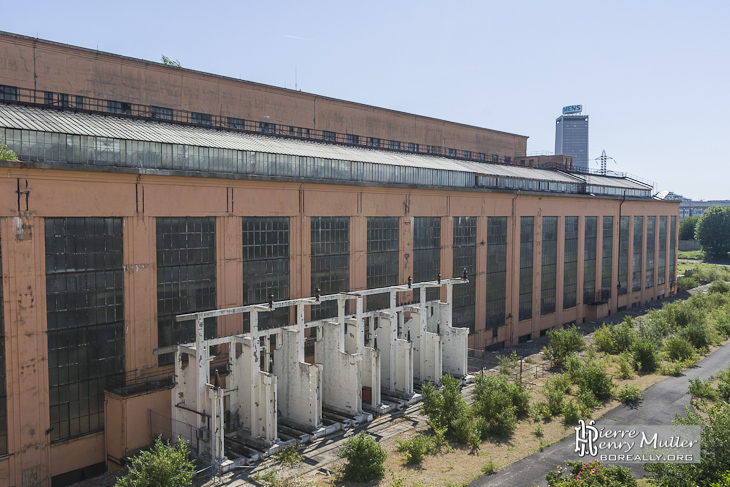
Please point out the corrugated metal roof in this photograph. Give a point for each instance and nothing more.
(97, 125)
(597, 180)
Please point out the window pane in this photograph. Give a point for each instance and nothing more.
(549, 262)
(589, 260)
(570, 264)
(638, 244)
(85, 309)
(496, 271)
(526, 247)
(382, 259)
(266, 268)
(186, 278)
(427, 252)
(330, 261)
(464, 257)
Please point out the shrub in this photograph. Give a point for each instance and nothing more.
(507, 363)
(645, 356)
(365, 458)
(570, 413)
(592, 473)
(555, 397)
(698, 334)
(678, 349)
(289, 456)
(587, 401)
(563, 343)
(161, 466)
(590, 377)
(686, 283)
(538, 431)
(722, 325)
(719, 287)
(445, 405)
(701, 389)
(498, 401)
(602, 339)
(489, 467)
(654, 327)
(672, 368)
(417, 448)
(625, 367)
(629, 394)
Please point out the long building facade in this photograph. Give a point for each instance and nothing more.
(145, 191)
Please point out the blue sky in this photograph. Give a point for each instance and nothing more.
(652, 75)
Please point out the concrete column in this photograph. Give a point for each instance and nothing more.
(26, 347)
(140, 293)
(229, 282)
(481, 335)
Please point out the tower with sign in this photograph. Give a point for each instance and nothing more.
(571, 135)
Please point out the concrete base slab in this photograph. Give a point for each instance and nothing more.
(382, 408)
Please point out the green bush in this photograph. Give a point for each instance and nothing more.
(722, 325)
(507, 362)
(698, 334)
(703, 389)
(443, 406)
(625, 367)
(499, 402)
(602, 339)
(162, 466)
(645, 356)
(673, 369)
(570, 413)
(563, 343)
(678, 349)
(417, 448)
(365, 458)
(587, 401)
(654, 327)
(719, 287)
(686, 283)
(629, 394)
(590, 377)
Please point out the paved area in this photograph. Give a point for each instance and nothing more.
(661, 403)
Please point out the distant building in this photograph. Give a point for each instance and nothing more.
(687, 206)
(571, 136)
(696, 208)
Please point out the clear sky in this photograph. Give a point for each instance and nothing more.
(652, 75)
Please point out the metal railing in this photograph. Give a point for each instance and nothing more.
(85, 104)
(132, 382)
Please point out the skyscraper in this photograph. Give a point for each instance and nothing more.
(571, 135)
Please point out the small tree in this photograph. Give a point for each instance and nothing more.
(687, 227)
(161, 466)
(171, 62)
(365, 458)
(6, 154)
(713, 231)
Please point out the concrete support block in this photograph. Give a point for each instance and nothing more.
(396, 356)
(455, 342)
(341, 376)
(427, 354)
(253, 394)
(371, 374)
(299, 383)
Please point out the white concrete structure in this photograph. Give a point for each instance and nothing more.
(259, 399)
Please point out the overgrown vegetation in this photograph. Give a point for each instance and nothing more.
(714, 442)
(161, 466)
(365, 458)
(591, 473)
(6, 154)
(563, 343)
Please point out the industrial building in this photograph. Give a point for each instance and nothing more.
(145, 192)
(571, 136)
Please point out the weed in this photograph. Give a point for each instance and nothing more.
(489, 467)
(538, 431)
(629, 394)
(289, 456)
